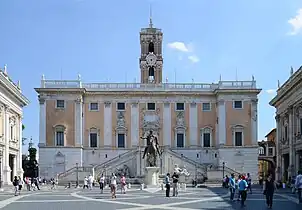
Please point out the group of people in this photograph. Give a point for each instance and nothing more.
(174, 182)
(113, 184)
(31, 184)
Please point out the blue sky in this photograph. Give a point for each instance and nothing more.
(100, 40)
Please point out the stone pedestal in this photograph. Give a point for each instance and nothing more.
(6, 175)
(151, 178)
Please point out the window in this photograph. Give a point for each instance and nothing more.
(11, 132)
(151, 106)
(121, 106)
(151, 47)
(238, 104)
(261, 151)
(206, 106)
(285, 132)
(270, 151)
(180, 106)
(238, 139)
(93, 140)
(94, 106)
(121, 140)
(60, 104)
(60, 138)
(180, 141)
(206, 140)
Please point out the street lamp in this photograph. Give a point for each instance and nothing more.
(1, 154)
(77, 167)
(223, 164)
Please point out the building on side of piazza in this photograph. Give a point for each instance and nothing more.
(267, 155)
(99, 125)
(12, 102)
(288, 104)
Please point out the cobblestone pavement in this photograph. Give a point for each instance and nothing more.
(135, 199)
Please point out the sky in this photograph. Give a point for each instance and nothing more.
(203, 39)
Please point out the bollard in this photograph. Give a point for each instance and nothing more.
(162, 186)
(142, 186)
(129, 186)
(184, 186)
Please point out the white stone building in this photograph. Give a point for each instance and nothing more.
(11, 103)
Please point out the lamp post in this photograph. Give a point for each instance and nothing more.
(223, 164)
(77, 168)
(1, 154)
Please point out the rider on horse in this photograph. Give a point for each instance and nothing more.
(150, 138)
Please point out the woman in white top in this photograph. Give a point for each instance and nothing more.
(113, 185)
(102, 182)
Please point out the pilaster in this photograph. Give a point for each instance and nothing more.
(134, 124)
(254, 122)
(19, 156)
(79, 122)
(290, 141)
(6, 168)
(278, 154)
(108, 124)
(221, 122)
(193, 118)
(42, 122)
(167, 127)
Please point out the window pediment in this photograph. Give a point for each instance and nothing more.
(59, 127)
(206, 129)
(237, 127)
(180, 128)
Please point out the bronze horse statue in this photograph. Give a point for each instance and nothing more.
(151, 150)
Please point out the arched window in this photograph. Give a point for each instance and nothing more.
(151, 71)
(93, 137)
(261, 150)
(151, 47)
(60, 135)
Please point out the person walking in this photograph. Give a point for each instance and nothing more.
(123, 184)
(237, 186)
(102, 183)
(175, 178)
(20, 185)
(113, 184)
(298, 185)
(167, 182)
(249, 182)
(85, 182)
(242, 185)
(16, 185)
(268, 190)
(232, 186)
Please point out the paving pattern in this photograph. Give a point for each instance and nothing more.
(135, 199)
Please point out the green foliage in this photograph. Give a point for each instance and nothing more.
(23, 127)
(32, 153)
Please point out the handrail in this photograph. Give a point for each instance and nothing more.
(117, 158)
(227, 169)
(69, 171)
(186, 159)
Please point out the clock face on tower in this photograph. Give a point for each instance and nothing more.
(151, 59)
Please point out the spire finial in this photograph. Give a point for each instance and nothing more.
(291, 70)
(150, 17)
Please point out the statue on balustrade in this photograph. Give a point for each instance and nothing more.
(151, 150)
(180, 171)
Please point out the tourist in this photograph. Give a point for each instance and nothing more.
(175, 178)
(232, 185)
(113, 184)
(242, 186)
(123, 184)
(298, 185)
(90, 182)
(85, 183)
(167, 182)
(102, 182)
(249, 182)
(237, 186)
(16, 185)
(20, 185)
(268, 190)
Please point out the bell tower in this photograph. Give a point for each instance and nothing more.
(151, 60)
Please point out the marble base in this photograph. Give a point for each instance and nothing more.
(151, 176)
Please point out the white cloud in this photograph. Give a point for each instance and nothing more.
(180, 46)
(271, 91)
(193, 58)
(296, 23)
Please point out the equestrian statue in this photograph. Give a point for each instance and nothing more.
(151, 150)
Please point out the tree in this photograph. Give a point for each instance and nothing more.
(30, 163)
(23, 139)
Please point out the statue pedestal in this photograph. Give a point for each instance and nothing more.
(151, 178)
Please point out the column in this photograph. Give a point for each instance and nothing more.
(134, 124)
(221, 122)
(108, 124)
(42, 123)
(254, 122)
(290, 141)
(193, 117)
(79, 122)
(6, 168)
(14, 166)
(297, 161)
(278, 154)
(19, 156)
(167, 124)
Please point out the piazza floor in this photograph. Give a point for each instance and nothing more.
(193, 198)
